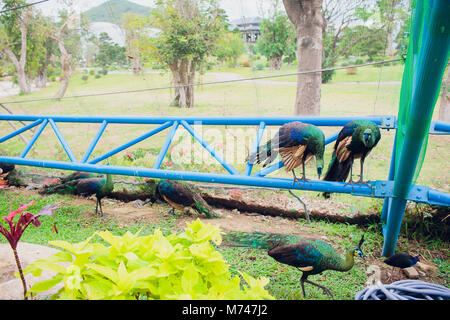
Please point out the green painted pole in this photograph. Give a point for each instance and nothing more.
(429, 66)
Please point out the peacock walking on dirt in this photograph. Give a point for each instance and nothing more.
(67, 185)
(297, 143)
(182, 196)
(311, 256)
(101, 187)
(355, 141)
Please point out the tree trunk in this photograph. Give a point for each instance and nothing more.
(444, 107)
(20, 62)
(41, 79)
(183, 72)
(66, 62)
(275, 62)
(306, 15)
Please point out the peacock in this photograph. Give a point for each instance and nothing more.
(99, 186)
(401, 261)
(5, 170)
(311, 256)
(297, 143)
(182, 196)
(67, 185)
(355, 141)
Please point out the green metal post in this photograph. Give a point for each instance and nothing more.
(430, 63)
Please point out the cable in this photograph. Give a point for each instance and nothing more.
(404, 290)
(201, 84)
(23, 6)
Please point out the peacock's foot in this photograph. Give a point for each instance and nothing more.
(298, 181)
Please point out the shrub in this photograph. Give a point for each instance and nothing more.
(246, 64)
(91, 72)
(84, 77)
(97, 75)
(259, 66)
(179, 266)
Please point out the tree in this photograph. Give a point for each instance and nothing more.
(68, 40)
(14, 36)
(230, 47)
(189, 32)
(306, 15)
(109, 52)
(135, 38)
(277, 39)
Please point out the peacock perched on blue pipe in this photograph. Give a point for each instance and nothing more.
(311, 256)
(182, 196)
(355, 141)
(297, 143)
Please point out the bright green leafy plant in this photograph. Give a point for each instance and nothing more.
(179, 266)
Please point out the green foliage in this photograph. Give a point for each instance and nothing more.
(189, 32)
(179, 266)
(109, 52)
(277, 38)
(230, 47)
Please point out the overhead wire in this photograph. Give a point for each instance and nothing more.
(198, 84)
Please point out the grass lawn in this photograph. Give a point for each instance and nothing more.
(77, 222)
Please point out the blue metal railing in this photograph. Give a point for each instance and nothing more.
(377, 189)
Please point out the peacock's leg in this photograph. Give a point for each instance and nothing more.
(295, 180)
(101, 210)
(361, 180)
(96, 206)
(350, 181)
(327, 291)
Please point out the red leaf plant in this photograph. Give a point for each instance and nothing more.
(16, 230)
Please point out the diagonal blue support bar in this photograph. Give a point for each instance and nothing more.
(207, 146)
(33, 139)
(166, 145)
(94, 142)
(62, 140)
(331, 138)
(19, 131)
(259, 133)
(265, 171)
(130, 143)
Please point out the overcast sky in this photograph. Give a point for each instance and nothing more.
(234, 8)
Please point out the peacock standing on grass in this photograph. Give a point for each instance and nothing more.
(182, 196)
(67, 184)
(311, 256)
(101, 187)
(297, 143)
(355, 141)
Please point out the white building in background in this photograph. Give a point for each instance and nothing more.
(249, 28)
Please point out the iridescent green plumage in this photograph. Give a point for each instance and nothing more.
(311, 256)
(182, 195)
(67, 184)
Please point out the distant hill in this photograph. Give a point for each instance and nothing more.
(113, 10)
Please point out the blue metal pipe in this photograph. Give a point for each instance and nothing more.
(166, 145)
(94, 142)
(19, 131)
(63, 141)
(130, 143)
(33, 139)
(438, 197)
(281, 183)
(259, 134)
(431, 60)
(442, 126)
(243, 121)
(208, 147)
